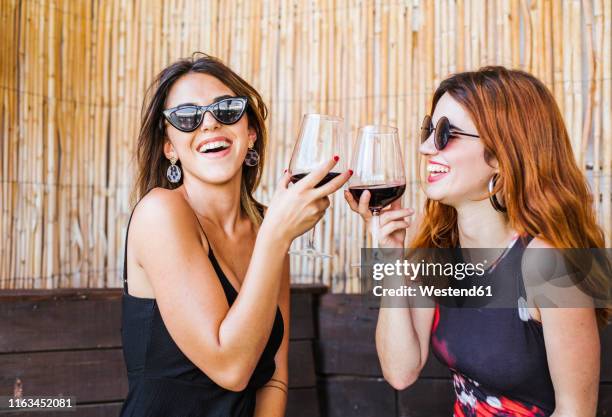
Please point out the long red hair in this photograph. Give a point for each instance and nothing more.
(544, 191)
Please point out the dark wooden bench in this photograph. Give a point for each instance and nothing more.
(68, 342)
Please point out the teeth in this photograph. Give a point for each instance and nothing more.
(437, 168)
(214, 145)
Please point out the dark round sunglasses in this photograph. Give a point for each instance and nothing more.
(444, 131)
(187, 118)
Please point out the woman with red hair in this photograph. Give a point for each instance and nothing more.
(502, 174)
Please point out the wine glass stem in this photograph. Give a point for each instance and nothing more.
(311, 238)
(375, 228)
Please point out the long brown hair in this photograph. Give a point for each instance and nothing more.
(152, 163)
(545, 193)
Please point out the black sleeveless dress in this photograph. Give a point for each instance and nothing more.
(163, 382)
(497, 356)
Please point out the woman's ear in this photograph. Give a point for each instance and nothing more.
(492, 162)
(169, 149)
(495, 165)
(252, 137)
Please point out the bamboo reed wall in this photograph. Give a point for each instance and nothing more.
(73, 74)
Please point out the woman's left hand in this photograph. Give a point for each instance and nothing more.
(393, 219)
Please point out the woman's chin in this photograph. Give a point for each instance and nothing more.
(219, 177)
(435, 193)
(440, 197)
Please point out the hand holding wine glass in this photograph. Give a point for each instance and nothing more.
(321, 138)
(379, 172)
(394, 220)
(296, 209)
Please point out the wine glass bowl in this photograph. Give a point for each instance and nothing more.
(321, 138)
(378, 167)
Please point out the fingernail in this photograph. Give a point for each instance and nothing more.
(285, 172)
(350, 172)
(336, 158)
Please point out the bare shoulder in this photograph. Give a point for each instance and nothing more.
(535, 259)
(165, 215)
(539, 243)
(160, 202)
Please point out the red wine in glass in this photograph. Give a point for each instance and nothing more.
(321, 138)
(381, 195)
(379, 168)
(328, 177)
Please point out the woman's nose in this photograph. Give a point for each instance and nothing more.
(428, 147)
(209, 122)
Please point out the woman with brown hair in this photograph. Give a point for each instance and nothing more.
(206, 312)
(501, 175)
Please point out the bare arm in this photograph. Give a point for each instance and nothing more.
(272, 397)
(573, 353)
(402, 334)
(402, 343)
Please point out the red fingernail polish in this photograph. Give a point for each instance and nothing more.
(350, 172)
(336, 158)
(285, 172)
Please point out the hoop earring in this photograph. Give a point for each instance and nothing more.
(252, 158)
(492, 197)
(174, 171)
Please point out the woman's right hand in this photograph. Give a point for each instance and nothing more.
(294, 210)
(393, 219)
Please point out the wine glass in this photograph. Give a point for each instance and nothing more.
(379, 168)
(321, 138)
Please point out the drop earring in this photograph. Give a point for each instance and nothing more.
(174, 171)
(252, 157)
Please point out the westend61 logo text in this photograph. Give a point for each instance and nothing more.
(405, 268)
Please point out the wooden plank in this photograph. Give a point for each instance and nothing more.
(89, 410)
(302, 312)
(350, 357)
(75, 321)
(309, 288)
(346, 317)
(346, 344)
(88, 375)
(301, 365)
(363, 397)
(427, 398)
(604, 404)
(303, 402)
(60, 294)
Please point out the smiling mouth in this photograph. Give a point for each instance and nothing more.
(214, 147)
(436, 172)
